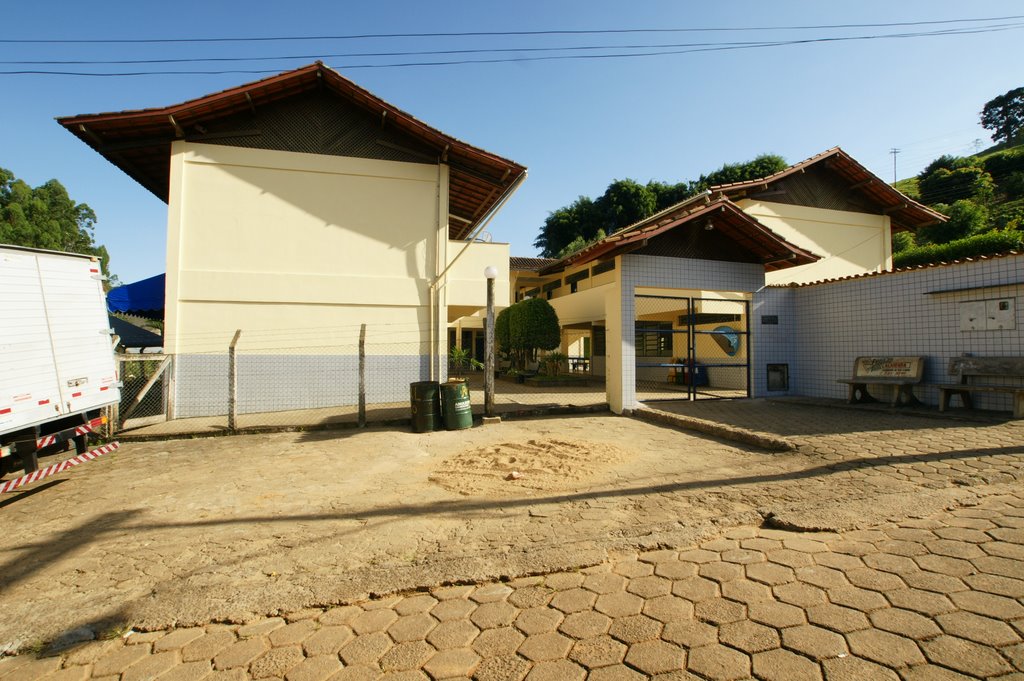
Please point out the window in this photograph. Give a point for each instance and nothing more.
(602, 267)
(653, 339)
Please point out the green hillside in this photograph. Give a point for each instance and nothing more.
(983, 196)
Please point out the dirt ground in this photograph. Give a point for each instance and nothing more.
(225, 529)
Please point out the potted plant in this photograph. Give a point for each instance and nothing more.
(460, 359)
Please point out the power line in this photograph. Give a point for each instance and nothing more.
(462, 34)
(504, 60)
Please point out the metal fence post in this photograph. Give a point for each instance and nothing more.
(233, 382)
(362, 375)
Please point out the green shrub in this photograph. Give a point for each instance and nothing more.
(988, 243)
(947, 186)
(965, 218)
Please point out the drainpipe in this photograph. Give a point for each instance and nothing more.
(434, 289)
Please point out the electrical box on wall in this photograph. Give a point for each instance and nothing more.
(988, 315)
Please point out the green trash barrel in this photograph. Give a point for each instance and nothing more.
(458, 412)
(426, 406)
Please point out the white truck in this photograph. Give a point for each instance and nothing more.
(57, 366)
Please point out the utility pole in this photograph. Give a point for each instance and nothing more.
(894, 151)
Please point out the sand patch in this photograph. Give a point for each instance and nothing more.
(533, 466)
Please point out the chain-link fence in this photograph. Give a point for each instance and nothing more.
(253, 386)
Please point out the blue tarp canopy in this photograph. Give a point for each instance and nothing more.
(143, 298)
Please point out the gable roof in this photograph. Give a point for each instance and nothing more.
(719, 214)
(905, 212)
(139, 141)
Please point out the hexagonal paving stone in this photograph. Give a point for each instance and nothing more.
(550, 646)
(327, 641)
(668, 608)
(561, 581)
(783, 665)
(746, 591)
(760, 544)
(996, 584)
(676, 569)
(635, 628)
(605, 583)
(851, 547)
(690, 634)
(904, 622)
(494, 614)
(954, 567)
(411, 627)
(655, 557)
(814, 642)
(406, 656)
(363, 623)
(719, 662)
(453, 609)
(530, 596)
(445, 664)
(820, 576)
(412, 605)
(933, 581)
(857, 598)
(799, 594)
(743, 556)
(721, 572)
(538, 620)
(884, 648)
(887, 562)
(453, 634)
(649, 587)
(977, 628)
(770, 573)
(837, 618)
(618, 672)
(632, 568)
(503, 668)
(965, 656)
(855, 669)
(491, 593)
(804, 545)
(366, 648)
(748, 636)
(776, 614)
(993, 565)
(953, 548)
(500, 641)
(924, 602)
(619, 604)
(719, 611)
(656, 657)
(874, 580)
(698, 556)
(789, 558)
(695, 589)
(293, 633)
(599, 651)
(838, 561)
(573, 600)
(991, 605)
(557, 670)
(585, 624)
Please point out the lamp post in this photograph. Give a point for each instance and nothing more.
(490, 272)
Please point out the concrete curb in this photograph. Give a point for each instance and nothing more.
(748, 437)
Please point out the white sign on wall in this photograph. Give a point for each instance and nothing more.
(988, 315)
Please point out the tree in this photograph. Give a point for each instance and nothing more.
(526, 327)
(1004, 115)
(46, 217)
(947, 186)
(627, 201)
(965, 218)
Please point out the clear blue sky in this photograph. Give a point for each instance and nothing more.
(575, 124)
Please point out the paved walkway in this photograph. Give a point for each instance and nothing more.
(927, 599)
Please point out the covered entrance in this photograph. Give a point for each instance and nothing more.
(690, 348)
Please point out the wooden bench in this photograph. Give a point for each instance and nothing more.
(901, 372)
(969, 367)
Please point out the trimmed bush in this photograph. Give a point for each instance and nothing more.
(989, 243)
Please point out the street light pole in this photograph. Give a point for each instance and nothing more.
(490, 272)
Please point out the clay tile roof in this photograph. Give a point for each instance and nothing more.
(903, 270)
(139, 141)
(530, 264)
(905, 212)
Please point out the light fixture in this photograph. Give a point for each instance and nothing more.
(491, 272)
(708, 226)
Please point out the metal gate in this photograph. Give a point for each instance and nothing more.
(691, 348)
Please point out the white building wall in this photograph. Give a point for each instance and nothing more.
(297, 251)
(824, 327)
